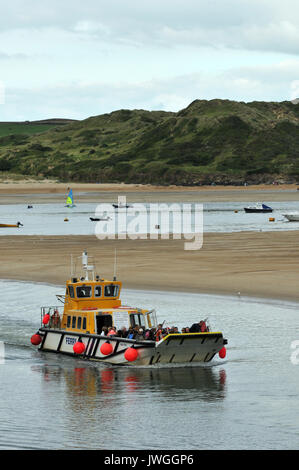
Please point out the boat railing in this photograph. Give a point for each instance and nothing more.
(51, 316)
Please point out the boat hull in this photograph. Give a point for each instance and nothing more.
(173, 349)
(292, 217)
(256, 211)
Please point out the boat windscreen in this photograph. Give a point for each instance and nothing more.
(83, 291)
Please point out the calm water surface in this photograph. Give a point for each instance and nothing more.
(247, 401)
(49, 219)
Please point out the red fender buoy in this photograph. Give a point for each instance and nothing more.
(131, 354)
(46, 319)
(106, 348)
(79, 347)
(36, 339)
(222, 352)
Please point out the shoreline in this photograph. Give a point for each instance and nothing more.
(260, 265)
(252, 298)
(32, 192)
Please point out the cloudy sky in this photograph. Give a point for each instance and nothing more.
(75, 59)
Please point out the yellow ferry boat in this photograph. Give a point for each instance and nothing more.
(91, 304)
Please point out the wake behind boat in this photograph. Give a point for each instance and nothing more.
(93, 320)
(258, 208)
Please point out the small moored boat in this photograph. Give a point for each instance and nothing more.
(18, 224)
(292, 217)
(98, 219)
(258, 208)
(121, 205)
(92, 303)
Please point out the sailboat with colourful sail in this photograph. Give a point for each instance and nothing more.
(70, 199)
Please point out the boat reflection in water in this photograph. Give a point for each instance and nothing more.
(96, 386)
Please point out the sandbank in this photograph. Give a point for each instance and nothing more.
(260, 264)
(48, 192)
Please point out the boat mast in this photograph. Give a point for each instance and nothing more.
(114, 276)
(87, 267)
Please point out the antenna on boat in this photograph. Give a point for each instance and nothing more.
(87, 267)
(114, 276)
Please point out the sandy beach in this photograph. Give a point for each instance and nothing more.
(46, 192)
(249, 263)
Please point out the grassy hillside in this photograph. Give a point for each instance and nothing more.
(218, 141)
(30, 127)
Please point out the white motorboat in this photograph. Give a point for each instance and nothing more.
(292, 217)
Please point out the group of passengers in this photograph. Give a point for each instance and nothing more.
(153, 334)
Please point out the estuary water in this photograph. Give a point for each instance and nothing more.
(249, 400)
(56, 219)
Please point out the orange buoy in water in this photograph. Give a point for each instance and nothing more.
(131, 354)
(222, 352)
(271, 219)
(36, 339)
(46, 319)
(79, 347)
(106, 348)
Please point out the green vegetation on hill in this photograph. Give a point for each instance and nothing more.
(217, 141)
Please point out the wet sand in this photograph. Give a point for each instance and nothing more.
(36, 192)
(247, 263)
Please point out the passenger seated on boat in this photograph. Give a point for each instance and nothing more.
(139, 336)
(159, 334)
(104, 331)
(130, 334)
(112, 331)
(149, 335)
(203, 326)
(173, 330)
(195, 328)
(199, 327)
(124, 332)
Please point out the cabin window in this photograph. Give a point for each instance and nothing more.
(111, 290)
(98, 291)
(84, 324)
(79, 323)
(84, 291)
(71, 292)
(74, 322)
(68, 323)
(137, 319)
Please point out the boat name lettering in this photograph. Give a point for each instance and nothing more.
(69, 340)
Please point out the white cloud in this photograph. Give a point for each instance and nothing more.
(74, 59)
